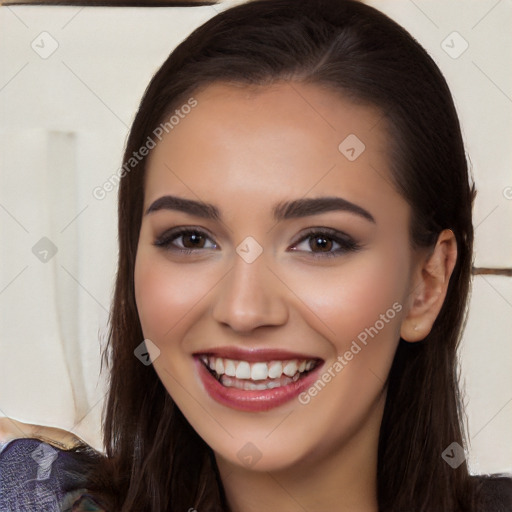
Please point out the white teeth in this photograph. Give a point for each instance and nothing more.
(243, 370)
(259, 371)
(230, 368)
(290, 369)
(248, 385)
(219, 366)
(275, 369)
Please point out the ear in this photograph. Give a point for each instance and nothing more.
(429, 284)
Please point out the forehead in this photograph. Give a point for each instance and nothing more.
(261, 141)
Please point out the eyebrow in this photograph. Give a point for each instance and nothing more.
(284, 210)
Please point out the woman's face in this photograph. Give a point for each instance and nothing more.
(295, 303)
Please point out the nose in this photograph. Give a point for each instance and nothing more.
(250, 296)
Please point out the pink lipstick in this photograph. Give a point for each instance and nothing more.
(255, 380)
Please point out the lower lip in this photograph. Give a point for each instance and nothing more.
(257, 400)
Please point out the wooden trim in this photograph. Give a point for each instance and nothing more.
(112, 3)
(492, 271)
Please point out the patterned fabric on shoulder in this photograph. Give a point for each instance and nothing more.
(36, 475)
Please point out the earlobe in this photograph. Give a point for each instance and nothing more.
(428, 288)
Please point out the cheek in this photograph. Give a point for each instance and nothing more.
(350, 298)
(164, 294)
(360, 303)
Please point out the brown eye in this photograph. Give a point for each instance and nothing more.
(195, 239)
(322, 241)
(191, 239)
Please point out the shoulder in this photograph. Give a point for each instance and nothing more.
(494, 492)
(37, 474)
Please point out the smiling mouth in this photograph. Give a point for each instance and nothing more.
(259, 375)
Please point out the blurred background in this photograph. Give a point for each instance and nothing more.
(71, 77)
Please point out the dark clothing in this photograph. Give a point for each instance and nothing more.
(36, 476)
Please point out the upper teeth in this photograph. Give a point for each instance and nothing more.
(257, 371)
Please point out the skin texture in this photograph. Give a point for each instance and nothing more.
(244, 149)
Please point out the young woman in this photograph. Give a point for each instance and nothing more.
(295, 242)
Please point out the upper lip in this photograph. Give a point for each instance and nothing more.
(255, 355)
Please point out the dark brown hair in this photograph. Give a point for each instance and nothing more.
(366, 57)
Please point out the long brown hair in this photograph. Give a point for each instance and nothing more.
(365, 56)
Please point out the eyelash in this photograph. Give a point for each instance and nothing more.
(347, 243)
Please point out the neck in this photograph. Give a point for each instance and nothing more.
(344, 480)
